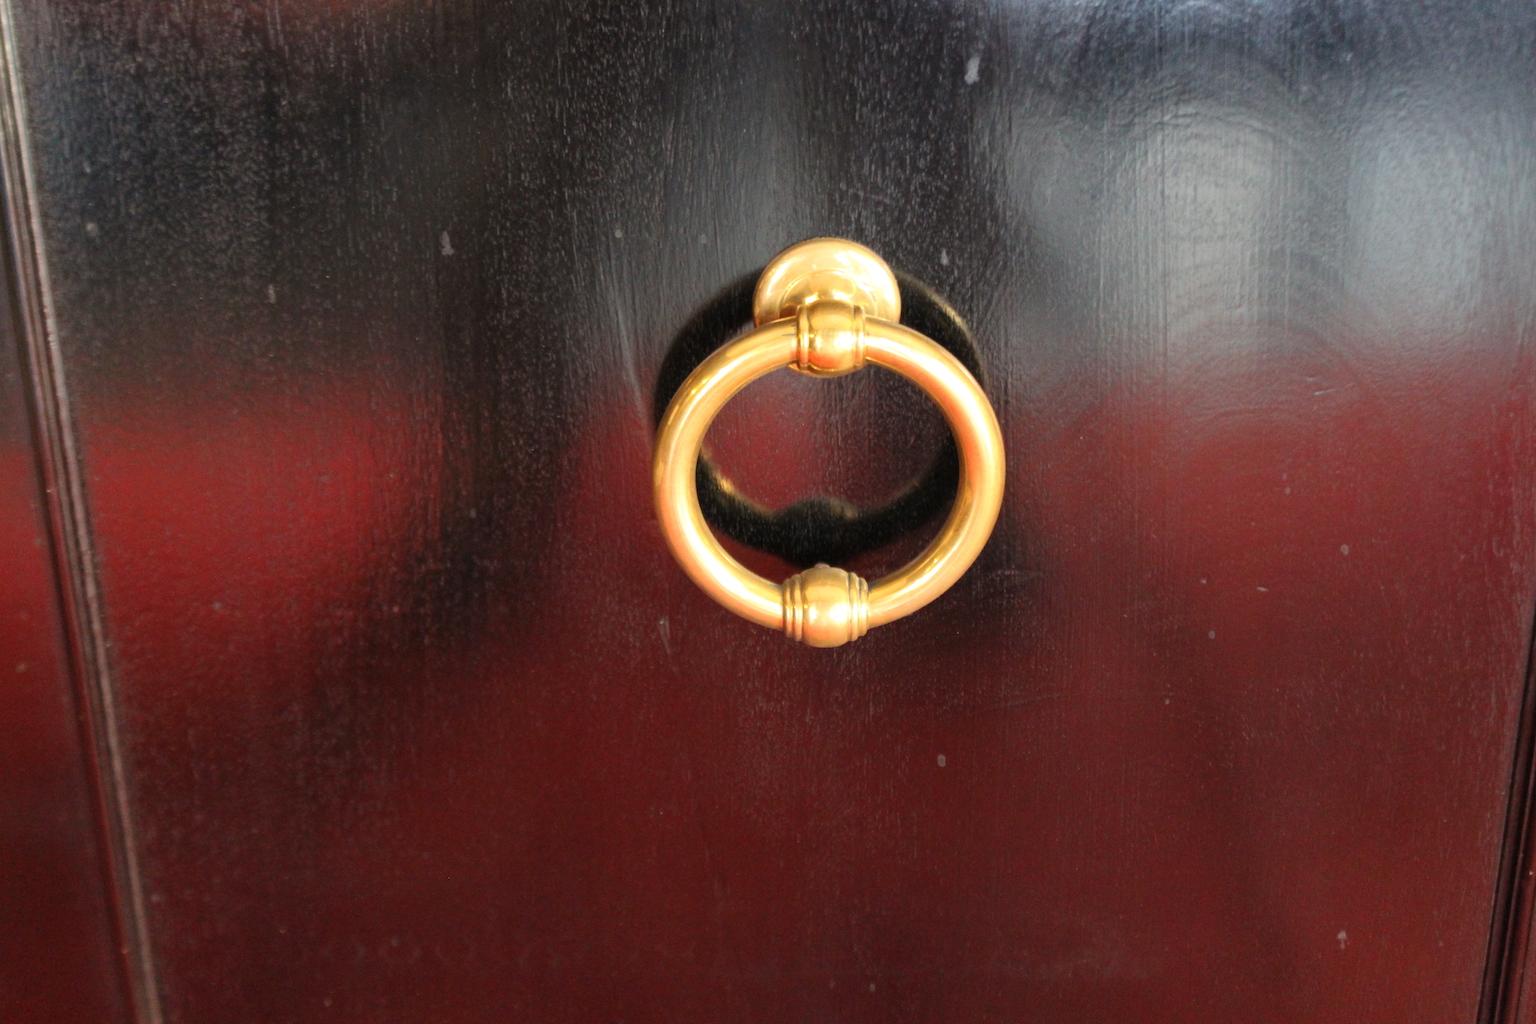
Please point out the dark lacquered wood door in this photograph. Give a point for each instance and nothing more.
(351, 679)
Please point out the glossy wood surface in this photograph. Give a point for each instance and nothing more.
(58, 948)
(360, 307)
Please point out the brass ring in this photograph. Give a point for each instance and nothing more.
(827, 307)
(818, 527)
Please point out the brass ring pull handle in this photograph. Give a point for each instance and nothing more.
(827, 307)
(819, 527)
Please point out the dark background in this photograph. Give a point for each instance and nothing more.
(395, 704)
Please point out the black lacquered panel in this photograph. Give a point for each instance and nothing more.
(362, 306)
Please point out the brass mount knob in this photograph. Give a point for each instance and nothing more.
(828, 307)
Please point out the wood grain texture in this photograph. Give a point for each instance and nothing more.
(59, 945)
(1508, 974)
(362, 305)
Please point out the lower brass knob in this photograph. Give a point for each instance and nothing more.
(826, 607)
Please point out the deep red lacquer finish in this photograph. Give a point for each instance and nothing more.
(359, 308)
(58, 951)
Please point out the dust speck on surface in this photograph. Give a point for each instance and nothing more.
(942, 761)
(445, 244)
(1342, 938)
(1344, 550)
(618, 232)
(1211, 635)
(664, 630)
(271, 294)
(92, 229)
(943, 257)
(973, 69)
(871, 986)
(22, 666)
